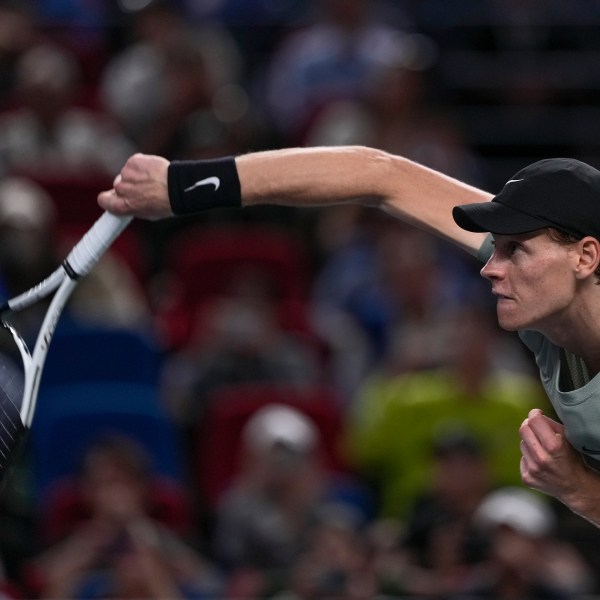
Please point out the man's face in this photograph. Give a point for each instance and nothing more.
(533, 279)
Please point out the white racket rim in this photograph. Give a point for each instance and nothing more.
(35, 364)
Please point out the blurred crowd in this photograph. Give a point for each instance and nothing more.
(275, 402)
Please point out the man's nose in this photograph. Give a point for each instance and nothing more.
(491, 269)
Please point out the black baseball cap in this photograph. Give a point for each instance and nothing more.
(562, 193)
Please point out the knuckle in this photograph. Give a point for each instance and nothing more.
(119, 187)
(527, 479)
(554, 446)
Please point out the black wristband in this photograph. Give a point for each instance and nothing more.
(197, 185)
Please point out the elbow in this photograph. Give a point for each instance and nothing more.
(378, 174)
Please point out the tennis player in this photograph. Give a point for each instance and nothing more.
(539, 240)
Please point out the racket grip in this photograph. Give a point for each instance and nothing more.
(88, 251)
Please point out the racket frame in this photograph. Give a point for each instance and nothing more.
(82, 258)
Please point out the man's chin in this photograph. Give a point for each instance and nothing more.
(508, 325)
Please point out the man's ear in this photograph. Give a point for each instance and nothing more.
(589, 256)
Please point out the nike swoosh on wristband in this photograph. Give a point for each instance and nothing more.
(514, 180)
(208, 181)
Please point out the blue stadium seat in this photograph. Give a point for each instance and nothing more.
(72, 416)
(80, 354)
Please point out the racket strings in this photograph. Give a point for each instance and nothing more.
(11, 395)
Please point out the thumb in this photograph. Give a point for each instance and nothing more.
(110, 201)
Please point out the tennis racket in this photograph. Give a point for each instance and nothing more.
(19, 387)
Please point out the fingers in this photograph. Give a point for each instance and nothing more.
(543, 427)
(538, 419)
(110, 201)
(538, 443)
(115, 200)
(140, 189)
(541, 436)
(549, 463)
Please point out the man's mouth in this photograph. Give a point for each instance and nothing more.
(500, 295)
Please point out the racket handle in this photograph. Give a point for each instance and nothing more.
(88, 251)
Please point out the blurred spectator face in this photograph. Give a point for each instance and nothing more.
(27, 220)
(189, 80)
(462, 476)
(115, 479)
(398, 91)
(158, 23)
(17, 30)
(335, 565)
(47, 78)
(474, 339)
(461, 473)
(281, 452)
(409, 268)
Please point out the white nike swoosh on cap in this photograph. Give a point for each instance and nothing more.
(514, 180)
(208, 181)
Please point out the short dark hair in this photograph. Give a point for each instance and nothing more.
(565, 238)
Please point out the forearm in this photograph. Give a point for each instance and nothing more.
(324, 176)
(313, 176)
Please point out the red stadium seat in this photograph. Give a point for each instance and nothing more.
(74, 194)
(206, 262)
(63, 507)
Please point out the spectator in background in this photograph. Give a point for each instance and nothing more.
(18, 32)
(120, 550)
(401, 408)
(441, 545)
(387, 281)
(346, 239)
(201, 114)
(335, 562)
(48, 130)
(175, 87)
(334, 58)
(465, 539)
(238, 339)
(407, 120)
(132, 86)
(274, 503)
(525, 558)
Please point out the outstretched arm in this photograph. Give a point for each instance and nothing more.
(551, 465)
(316, 177)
